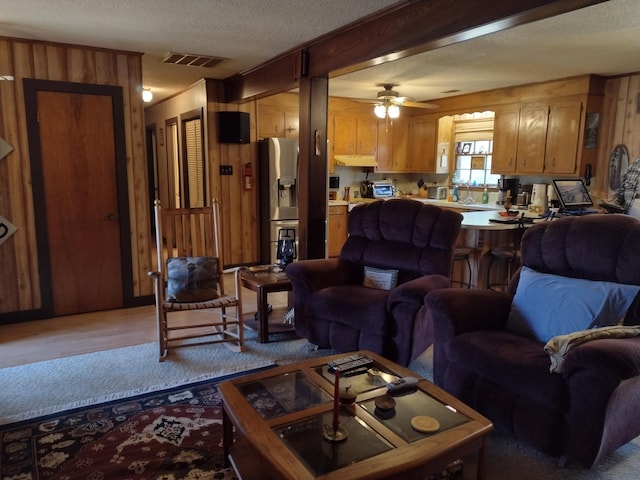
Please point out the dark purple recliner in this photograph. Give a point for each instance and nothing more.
(334, 310)
(590, 409)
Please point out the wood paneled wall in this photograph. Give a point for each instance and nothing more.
(239, 207)
(620, 124)
(19, 281)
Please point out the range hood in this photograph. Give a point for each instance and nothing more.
(355, 160)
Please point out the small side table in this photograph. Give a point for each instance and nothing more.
(264, 281)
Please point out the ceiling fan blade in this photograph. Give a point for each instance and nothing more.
(419, 105)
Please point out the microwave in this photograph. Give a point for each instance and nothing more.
(438, 193)
(383, 190)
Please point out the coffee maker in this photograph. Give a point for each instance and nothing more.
(507, 185)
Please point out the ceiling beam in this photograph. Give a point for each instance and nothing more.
(400, 31)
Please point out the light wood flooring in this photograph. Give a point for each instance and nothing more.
(28, 342)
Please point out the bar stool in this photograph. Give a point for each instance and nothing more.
(462, 254)
(506, 255)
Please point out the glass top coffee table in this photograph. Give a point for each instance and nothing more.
(282, 417)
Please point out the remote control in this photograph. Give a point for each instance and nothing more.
(349, 363)
(402, 384)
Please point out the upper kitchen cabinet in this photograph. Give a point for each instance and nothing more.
(355, 134)
(276, 121)
(563, 135)
(505, 139)
(544, 137)
(278, 116)
(393, 137)
(532, 135)
(421, 154)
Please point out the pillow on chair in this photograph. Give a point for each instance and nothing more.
(191, 279)
(546, 305)
(380, 278)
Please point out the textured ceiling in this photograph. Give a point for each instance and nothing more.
(246, 32)
(601, 39)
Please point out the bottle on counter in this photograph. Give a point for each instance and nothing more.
(456, 194)
(450, 194)
(485, 196)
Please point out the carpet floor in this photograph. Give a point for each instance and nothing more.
(43, 388)
(172, 434)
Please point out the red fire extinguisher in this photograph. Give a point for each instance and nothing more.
(248, 176)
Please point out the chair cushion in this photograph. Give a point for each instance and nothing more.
(353, 305)
(547, 305)
(191, 279)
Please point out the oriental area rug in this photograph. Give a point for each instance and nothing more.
(172, 434)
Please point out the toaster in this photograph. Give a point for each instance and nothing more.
(437, 193)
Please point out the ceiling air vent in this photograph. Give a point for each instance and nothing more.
(193, 60)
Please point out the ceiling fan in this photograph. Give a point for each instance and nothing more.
(389, 101)
(392, 97)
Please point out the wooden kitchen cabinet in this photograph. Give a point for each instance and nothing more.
(393, 137)
(532, 137)
(274, 121)
(355, 134)
(505, 139)
(421, 146)
(563, 135)
(337, 229)
(541, 138)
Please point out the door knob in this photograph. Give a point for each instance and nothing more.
(113, 216)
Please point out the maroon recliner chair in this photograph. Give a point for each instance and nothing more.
(333, 309)
(588, 409)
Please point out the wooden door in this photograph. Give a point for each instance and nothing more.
(77, 149)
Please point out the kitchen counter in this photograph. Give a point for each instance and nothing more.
(482, 221)
(492, 207)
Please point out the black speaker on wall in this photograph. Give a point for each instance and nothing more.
(233, 127)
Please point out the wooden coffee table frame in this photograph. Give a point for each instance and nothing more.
(258, 452)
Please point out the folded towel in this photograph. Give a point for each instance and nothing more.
(558, 347)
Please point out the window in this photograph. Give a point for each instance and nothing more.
(473, 163)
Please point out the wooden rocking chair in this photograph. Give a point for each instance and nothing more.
(190, 277)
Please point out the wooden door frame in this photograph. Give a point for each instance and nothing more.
(31, 89)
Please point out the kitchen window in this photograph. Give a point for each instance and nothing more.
(473, 163)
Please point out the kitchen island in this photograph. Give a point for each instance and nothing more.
(479, 233)
(459, 206)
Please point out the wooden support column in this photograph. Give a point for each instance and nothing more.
(312, 177)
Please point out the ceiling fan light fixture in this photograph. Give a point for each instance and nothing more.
(386, 109)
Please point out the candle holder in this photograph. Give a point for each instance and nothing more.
(335, 433)
(335, 436)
